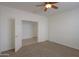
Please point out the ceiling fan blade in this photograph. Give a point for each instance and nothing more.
(55, 7)
(46, 2)
(50, 2)
(45, 9)
(54, 2)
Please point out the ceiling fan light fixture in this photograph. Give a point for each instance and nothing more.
(48, 5)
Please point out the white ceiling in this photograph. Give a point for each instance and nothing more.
(30, 6)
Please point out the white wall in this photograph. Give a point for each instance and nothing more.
(35, 29)
(0, 32)
(12, 33)
(29, 29)
(6, 14)
(64, 28)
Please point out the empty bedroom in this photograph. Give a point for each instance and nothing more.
(39, 29)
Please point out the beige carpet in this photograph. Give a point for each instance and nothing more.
(46, 49)
(29, 41)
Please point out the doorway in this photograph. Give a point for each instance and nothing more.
(29, 32)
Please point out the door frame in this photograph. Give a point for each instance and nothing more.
(16, 35)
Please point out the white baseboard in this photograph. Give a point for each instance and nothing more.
(64, 44)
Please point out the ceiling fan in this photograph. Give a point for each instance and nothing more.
(48, 5)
